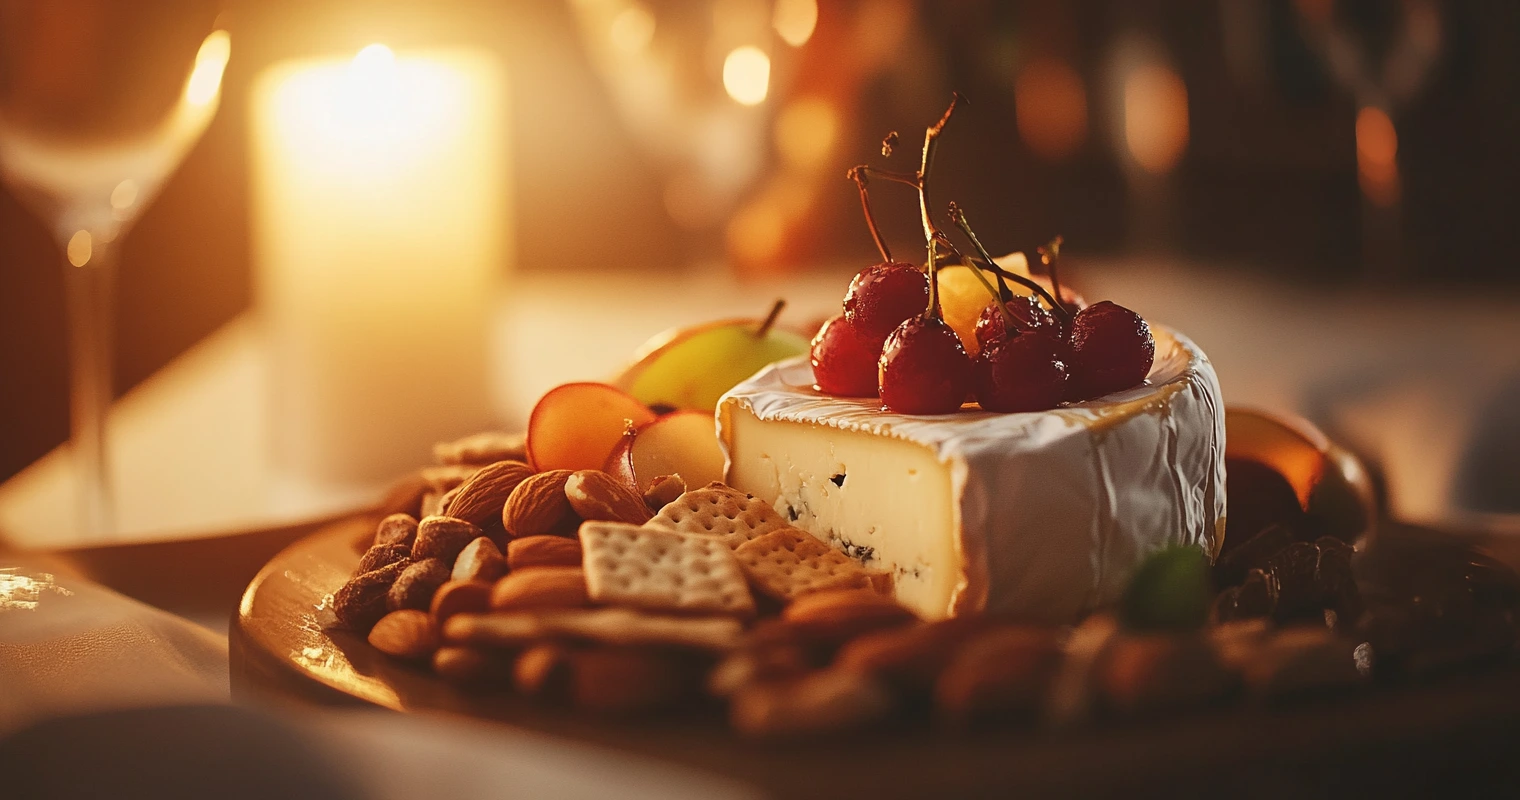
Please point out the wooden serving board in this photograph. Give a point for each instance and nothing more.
(1395, 740)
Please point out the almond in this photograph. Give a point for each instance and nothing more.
(432, 502)
(595, 495)
(480, 499)
(542, 670)
(404, 634)
(462, 665)
(663, 491)
(838, 615)
(460, 597)
(480, 560)
(541, 587)
(543, 551)
(537, 505)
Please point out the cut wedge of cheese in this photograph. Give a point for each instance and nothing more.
(1042, 516)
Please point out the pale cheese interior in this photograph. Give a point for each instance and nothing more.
(886, 502)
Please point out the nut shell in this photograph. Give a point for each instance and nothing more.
(538, 505)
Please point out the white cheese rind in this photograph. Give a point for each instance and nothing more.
(1051, 511)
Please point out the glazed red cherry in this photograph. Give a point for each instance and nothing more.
(1024, 372)
(1111, 349)
(881, 297)
(992, 326)
(923, 368)
(844, 362)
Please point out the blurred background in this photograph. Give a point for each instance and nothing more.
(1279, 178)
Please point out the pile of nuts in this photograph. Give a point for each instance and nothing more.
(572, 588)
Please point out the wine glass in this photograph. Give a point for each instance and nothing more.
(99, 102)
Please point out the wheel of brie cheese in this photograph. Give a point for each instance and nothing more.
(1041, 515)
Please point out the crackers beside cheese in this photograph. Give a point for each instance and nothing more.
(717, 510)
(789, 562)
(659, 569)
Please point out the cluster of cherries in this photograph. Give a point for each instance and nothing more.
(892, 340)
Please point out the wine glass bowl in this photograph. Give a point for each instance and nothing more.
(99, 102)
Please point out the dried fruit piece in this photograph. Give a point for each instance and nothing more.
(595, 495)
(538, 505)
(407, 634)
(1152, 672)
(415, 586)
(911, 657)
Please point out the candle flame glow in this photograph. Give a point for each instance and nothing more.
(210, 61)
(747, 75)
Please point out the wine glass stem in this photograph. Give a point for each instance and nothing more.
(91, 289)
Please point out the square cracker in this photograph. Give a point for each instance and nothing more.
(787, 563)
(661, 569)
(717, 510)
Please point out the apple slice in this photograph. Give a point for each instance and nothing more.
(689, 368)
(577, 425)
(682, 443)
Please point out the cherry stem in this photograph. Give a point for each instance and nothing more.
(858, 174)
(1050, 254)
(959, 217)
(932, 236)
(770, 319)
(997, 298)
(904, 178)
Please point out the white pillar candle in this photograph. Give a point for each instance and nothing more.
(381, 224)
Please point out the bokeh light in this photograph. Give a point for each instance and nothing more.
(794, 20)
(1155, 117)
(747, 75)
(1051, 107)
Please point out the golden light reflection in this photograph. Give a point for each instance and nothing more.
(124, 195)
(794, 20)
(632, 29)
(747, 75)
(210, 62)
(81, 248)
(1155, 117)
(1050, 104)
(806, 131)
(22, 592)
(1377, 151)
